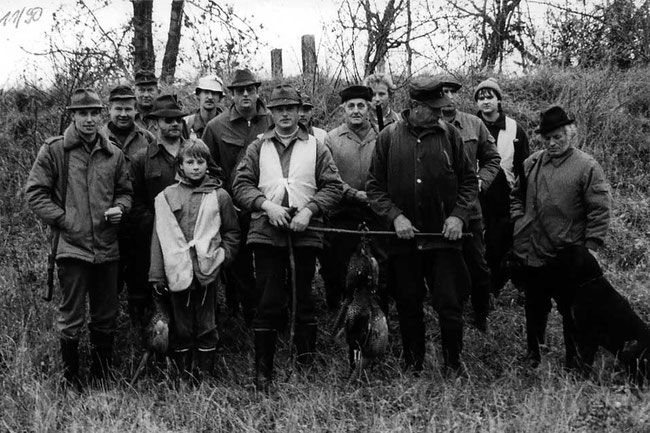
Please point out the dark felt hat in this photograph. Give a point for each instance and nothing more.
(167, 106)
(552, 119)
(84, 98)
(121, 92)
(243, 78)
(282, 95)
(145, 76)
(356, 92)
(428, 90)
(306, 101)
(449, 81)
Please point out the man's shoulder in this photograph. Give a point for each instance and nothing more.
(54, 139)
(584, 158)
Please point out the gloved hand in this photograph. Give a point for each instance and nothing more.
(160, 288)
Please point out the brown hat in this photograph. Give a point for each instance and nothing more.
(428, 90)
(121, 92)
(282, 95)
(491, 84)
(243, 78)
(145, 76)
(356, 92)
(167, 106)
(449, 81)
(84, 98)
(552, 119)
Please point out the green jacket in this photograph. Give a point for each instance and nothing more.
(561, 201)
(97, 180)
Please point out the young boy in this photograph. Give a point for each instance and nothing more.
(195, 233)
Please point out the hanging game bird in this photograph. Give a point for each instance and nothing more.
(364, 321)
(157, 332)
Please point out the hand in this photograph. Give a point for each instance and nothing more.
(361, 196)
(453, 228)
(594, 253)
(300, 221)
(160, 288)
(278, 215)
(403, 227)
(113, 215)
(480, 184)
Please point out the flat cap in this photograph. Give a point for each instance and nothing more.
(283, 95)
(145, 76)
(356, 92)
(428, 90)
(121, 92)
(449, 81)
(84, 98)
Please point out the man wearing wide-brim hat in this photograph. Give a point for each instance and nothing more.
(288, 180)
(420, 179)
(228, 135)
(79, 185)
(209, 91)
(146, 91)
(563, 199)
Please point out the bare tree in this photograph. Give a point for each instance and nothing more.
(144, 56)
(173, 41)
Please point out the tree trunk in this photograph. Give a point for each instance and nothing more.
(143, 53)
(173, 41)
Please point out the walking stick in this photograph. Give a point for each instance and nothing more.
(377, 232)
(294, 297)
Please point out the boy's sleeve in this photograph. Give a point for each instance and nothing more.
(230, 232)
(157, 267)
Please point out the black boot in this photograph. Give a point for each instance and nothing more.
(205, 362)
(305, 341)
(183, 362)
(452, 346)
(413, 345)
(535, 335)
(101, 349)
(264, 352)
(70, 357)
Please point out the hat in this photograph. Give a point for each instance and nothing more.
(121, 92)
(356, 92)
(552, 119)
(166, 106)
(84, 98)
(491, 84)
(284, 94)
(449, 81)
(428, 90)
(145, 76)
(211, 83)
(243, 78)
(306, 101)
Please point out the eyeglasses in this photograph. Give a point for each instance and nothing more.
(170, 120)
(248, 89)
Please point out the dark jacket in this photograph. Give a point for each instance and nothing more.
(194, 122)
(425, 175)
(137, 140)
(245, 187)
(228, 135)
(97, 180)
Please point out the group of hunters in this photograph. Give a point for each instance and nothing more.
(167, 203)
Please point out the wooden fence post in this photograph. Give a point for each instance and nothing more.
(308, 44)
(276, 63)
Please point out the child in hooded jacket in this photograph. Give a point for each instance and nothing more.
(195, 233)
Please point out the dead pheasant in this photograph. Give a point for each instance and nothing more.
(364, 321)
(157, 332)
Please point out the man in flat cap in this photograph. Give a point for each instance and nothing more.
(146, 91)
(79, 185)
(352, 145)
(306, 115)
(483, 154)
(563, 199)
(131, 139)
(228, 135)
(288, 180)
(421, 180)
(209, 91)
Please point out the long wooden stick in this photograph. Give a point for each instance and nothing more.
(376, 232)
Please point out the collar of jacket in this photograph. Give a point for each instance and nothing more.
(155, 147)
(371, 135)
(208, 184)
(546, 158)
(260, 107)
(72, 139)
(111, 129)
(499, 123)
(418, 132)
(302, 134)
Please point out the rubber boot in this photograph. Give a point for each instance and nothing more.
(205, 362)
(264, 353)
(183, 361)
(535, 334)
(70, 357)
(305, 342)
(452, 347)
(413, 345)
(571, 361)
(101, 350)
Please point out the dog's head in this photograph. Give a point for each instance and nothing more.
(578, 264)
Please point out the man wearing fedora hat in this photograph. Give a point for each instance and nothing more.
(146, 91)
(483, 154)
(125, 134)
(209, 91)
(563, 199)
(305, 116)
(421, 179)
(79, 185)
(288, 180)
(228, 135)
(352, 145)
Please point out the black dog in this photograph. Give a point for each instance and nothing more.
(602, 316)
